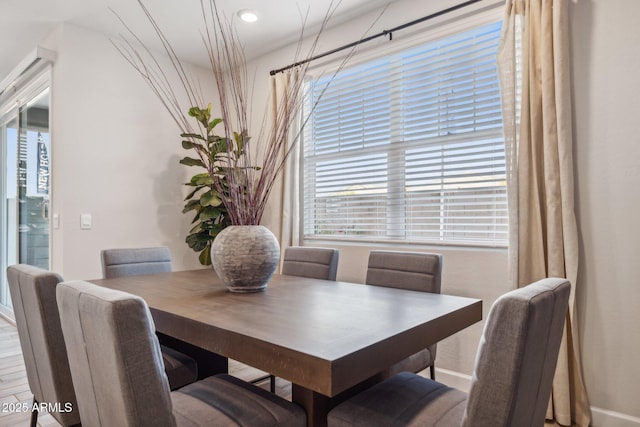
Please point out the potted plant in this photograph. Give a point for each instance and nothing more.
(245, 254)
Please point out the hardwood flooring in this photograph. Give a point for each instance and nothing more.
(14, 388)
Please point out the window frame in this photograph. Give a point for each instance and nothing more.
(439, 28)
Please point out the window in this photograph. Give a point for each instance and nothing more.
(410, 147)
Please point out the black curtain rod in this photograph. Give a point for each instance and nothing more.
(384, 33)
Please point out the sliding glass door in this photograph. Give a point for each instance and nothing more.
(24, 134)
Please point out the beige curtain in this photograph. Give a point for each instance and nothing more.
(289, 179)
(535, 83)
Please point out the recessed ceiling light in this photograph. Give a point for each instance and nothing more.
(248, 15)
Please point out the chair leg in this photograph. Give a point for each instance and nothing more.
(272, 382)
(34, 413)
(432, 370)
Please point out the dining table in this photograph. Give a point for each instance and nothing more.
(328, 338)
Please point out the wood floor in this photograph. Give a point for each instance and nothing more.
(14, 389)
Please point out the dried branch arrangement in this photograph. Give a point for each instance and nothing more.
(243, 170)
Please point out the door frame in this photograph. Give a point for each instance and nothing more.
(26, 89)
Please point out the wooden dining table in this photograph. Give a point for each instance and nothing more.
(328, 338)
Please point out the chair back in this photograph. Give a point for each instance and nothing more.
(415, 271)
(33, 293)
(135, 261)
(317, 263)
(115, 357)
(517, 356)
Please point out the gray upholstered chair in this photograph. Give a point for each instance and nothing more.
(181, 369)
(305, 261)
(135, 261)
(512, 378)
(116, 368)
(33, 292)
(415, 271)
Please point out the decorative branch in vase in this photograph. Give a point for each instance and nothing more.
(242, 172)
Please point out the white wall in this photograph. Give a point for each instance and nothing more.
(606, 66)
(115, 156)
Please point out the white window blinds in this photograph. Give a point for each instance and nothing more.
(410, 147)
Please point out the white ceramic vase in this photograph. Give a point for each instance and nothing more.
(245, 257)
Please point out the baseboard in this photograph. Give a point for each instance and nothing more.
(452, 378)
(600, 417)
(7, 314)
(605, 418)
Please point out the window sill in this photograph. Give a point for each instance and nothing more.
(400, 244)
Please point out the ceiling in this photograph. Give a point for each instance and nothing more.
(24, 23)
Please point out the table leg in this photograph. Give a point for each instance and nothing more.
(317, 405)
(209, 363)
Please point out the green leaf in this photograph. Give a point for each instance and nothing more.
(205, 256)
(195, 190)
(201, 115)
(188, 145)
(198, 241)
(195, 178)
(221, 146)
(205, 181)
(198, 246)
(237, 139)
(213, 123)
(190, 161)
(193, 135)
(210, 198)
(191, 205)
(216, 228)
(207, 213)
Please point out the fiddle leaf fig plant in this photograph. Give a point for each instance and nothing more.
(211, 216)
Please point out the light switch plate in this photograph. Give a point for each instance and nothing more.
(85, 221)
